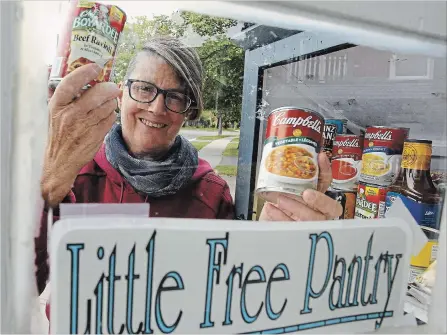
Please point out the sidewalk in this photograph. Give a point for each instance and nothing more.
(212, 152)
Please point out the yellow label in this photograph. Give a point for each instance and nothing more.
(116, 14)
(85, 4)
(416, 156)
(426, 256)
(371, 191)
(374, 165)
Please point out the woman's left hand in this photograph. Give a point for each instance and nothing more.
(314, 205)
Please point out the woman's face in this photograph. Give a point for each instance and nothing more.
(149, 129)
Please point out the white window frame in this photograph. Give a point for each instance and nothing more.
(428, 75)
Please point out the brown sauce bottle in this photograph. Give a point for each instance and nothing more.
(415, 186)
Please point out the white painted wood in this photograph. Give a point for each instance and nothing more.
(23, 143)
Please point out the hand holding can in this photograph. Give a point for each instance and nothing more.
(79, 121)
(313, 205)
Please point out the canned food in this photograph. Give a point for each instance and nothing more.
(289, 158)
(370, 201)
(382, 154)
(340, 124)
(346, 199)
(332, 127)
(90, 35)
(346, 162)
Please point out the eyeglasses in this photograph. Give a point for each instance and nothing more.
(145, 92)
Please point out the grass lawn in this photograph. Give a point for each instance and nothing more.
(231, 149)
(199, 145)
(211, 138)
(227, 170)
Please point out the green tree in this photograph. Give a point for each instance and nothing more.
(223, 63)
(206, 25)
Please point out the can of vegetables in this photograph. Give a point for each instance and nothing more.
(289, 156)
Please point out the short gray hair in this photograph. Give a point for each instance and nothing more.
(184, 60)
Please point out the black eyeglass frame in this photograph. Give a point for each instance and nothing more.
(159, 90)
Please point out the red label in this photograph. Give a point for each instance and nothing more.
(391, 138)
(369, 201)
(342, 170)
(347, 146)
(284, 123)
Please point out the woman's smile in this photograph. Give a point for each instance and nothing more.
(152, 124)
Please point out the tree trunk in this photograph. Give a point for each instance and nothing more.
(219, 133)
(219, 120)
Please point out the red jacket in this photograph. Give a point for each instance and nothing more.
(207, 196)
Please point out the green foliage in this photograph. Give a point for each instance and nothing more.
(207, 26)
(223, 61)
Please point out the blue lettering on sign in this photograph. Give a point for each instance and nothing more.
(342, 286)
(213, 268)
(309, 292)
(74, 287)
(261, 279)
(164, 328)
(268, 299)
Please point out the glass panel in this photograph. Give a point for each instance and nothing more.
(365, 86)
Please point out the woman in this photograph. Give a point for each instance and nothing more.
(144, 159)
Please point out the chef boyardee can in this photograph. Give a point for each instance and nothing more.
(90, 35)
(370, 201)
(347, 201)
(289, 157)
(382, 154)
(332, 127)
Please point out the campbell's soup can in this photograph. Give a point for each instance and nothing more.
(347, 201)
(382, 154)
(90, 35)
(289, 157)
(332, 127)
(346, 162)
(370, 201)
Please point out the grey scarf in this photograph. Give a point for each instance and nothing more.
(156, 178)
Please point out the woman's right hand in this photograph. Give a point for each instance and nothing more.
(79, 121)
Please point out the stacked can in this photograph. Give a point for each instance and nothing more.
(346, 160)
(332, 127)
(382, 155)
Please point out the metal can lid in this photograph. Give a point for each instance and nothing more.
(413, 140)
(387, 127)
(294, 107)
(348, 135)
(336, 119)
(363, 183)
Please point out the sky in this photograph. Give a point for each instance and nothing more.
(56, 11)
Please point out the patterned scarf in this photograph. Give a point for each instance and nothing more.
(156, 178)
